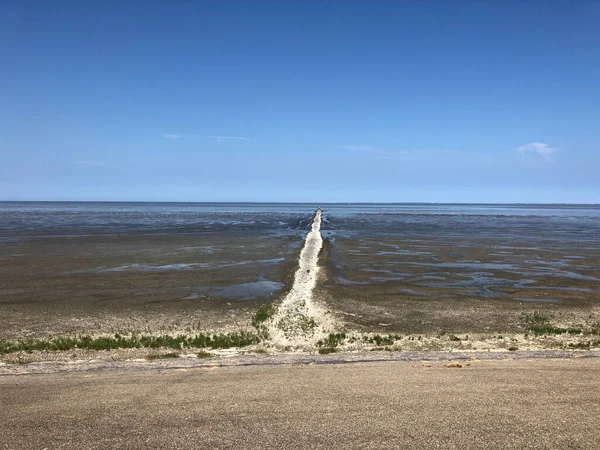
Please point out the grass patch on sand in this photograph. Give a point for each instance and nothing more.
(333, 340)
(327, 350)
(539, 324)
(536, 317)
(380, 340)
(263, 314)
(162, 356)
(260, 318)
(330, 343)
(203, 354)
(214, 341)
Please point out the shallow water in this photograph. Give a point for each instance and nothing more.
(29, 220)
(249, 290)
(476, 250)
(500, 250)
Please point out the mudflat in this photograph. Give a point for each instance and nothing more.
(95, 284)
(430, 277)
(542, 403)
(461, 269)
(87, 268)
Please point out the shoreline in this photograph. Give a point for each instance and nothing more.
(314, 312)
(184, 362)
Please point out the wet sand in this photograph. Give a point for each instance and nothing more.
(458, 284)
(485, 404)
(173, 268)
(103, 284)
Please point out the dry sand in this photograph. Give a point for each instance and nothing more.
(545, 404)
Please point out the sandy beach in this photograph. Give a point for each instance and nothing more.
(539, 403)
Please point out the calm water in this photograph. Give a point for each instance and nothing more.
(563, 223)
(29, 218)
(20, 220)
(548, 223)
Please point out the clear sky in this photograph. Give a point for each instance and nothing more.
(389, 101)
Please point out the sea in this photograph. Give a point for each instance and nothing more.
(39, 219)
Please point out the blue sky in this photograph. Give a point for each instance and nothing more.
(300, 101)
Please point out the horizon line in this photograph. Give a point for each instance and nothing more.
(305, 202)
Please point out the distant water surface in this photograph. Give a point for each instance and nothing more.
(39, 219)
(489, 251)
(123, 257)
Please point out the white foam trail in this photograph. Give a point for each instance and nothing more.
(299, 322)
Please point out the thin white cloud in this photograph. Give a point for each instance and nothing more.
(173, 136)
(230, 138)
(541, 148)
(80, 162)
